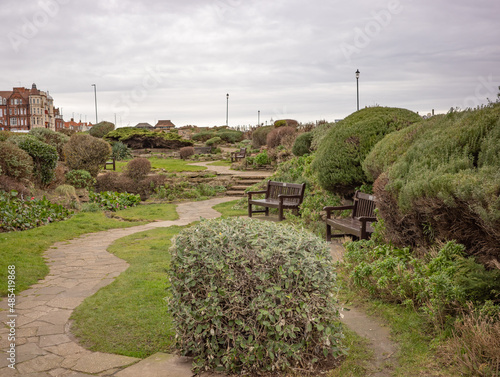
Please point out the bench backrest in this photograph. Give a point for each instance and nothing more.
(364, 205)
(242, 152)
(281, 188)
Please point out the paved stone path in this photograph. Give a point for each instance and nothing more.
(78, 269)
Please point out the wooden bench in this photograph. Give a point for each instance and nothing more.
(202, 150)
(359, 224)
(111, 163)
(279, 195)
(235, 156)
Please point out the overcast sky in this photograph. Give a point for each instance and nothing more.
(177, 60)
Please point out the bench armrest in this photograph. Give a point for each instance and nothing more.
(329, 209)
(366, 219)
(250, 193)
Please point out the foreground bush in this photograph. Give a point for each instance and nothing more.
(251, 296)
(80, 179)
(18, 213)
(276, 136)
(342, 151)
(85, 152)
(186, 152)
(259, 136)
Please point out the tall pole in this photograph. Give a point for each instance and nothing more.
(357, 87)
(95, 96)
(258, 119)
(227, 107)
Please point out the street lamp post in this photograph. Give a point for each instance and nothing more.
(227, 107)
(357, 87)
(95, 96)
(258, 119)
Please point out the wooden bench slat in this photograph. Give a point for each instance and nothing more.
(359, 224)
(279, 195)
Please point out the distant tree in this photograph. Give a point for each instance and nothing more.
(101, 129)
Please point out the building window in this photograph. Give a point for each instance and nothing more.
(13, 121)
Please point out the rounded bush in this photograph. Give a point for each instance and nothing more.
(302, 144)
(80, 179)
(213, 141)
(138, 168)
(120, 151)
(15, 162)
(342, 151)
(276, 136)
(259, 136)
(202, 136)
(85, 152)
(44, 158)
(230, 136)
(56, 139)
(251, 296)
(186, 152)
(101, 129)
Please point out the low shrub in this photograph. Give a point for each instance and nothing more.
(276, 136)
(17, 213)
(85, 152)
(114, 201)
(230, 136)
(262, 159)
(249, 296)
(302, 144)
(438, 285)
(80, 179)
(186, 152)
(9, 184)
(15, 162)
(67, 191)
(138, 168)
(214, 141)
(203, 136)
(120, 151)
(259, 136)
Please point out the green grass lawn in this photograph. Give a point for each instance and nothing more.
(25, 249)
(171, 165)
(226, 209)
(148, 212)
(221, 163)
(129, 316)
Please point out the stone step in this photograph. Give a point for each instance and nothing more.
(239, 187)
(250, 177)
(235, 193)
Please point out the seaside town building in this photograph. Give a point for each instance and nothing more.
(22, 109)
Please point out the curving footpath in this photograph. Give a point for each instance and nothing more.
(78, 269)
(45, 346)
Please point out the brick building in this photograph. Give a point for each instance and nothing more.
(165, 125)
(77, 126)
(23, 109)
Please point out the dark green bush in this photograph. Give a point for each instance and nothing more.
(80, 179)
(138, 168)
(259, 136)
(120, 151)
(56, 139)
(302, 144)
(446, 184)
(262, 159)
(230, 136)
(343, 150)
(15, 162)
(101, 129)
(203, 136)
(251, 296)
(44, 158)
(137, 138)
(85, 152)
(213, 141)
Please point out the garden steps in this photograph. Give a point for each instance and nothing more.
(242, 182)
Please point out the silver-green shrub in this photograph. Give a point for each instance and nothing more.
(249, 296)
